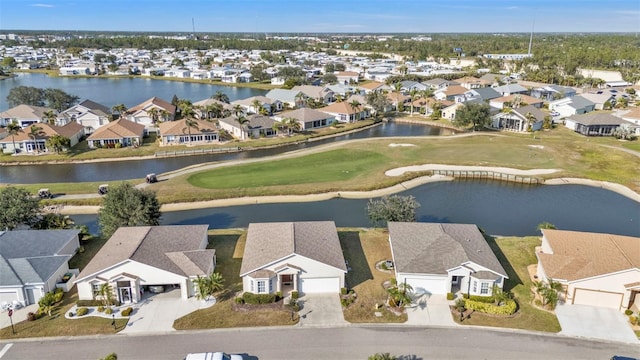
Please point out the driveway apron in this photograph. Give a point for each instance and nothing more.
(594, 322)
(430, 310)
(321, 310)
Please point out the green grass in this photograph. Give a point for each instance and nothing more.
(515, 254)
(229, 246)
(363, 249)
(336, 165)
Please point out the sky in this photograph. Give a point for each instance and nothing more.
(316, 16)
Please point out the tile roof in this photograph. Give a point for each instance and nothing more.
(455, 90)
(118, 129)
(155, 246)
(579, 255)
(269, 242)
(179, 127)
(433, 248)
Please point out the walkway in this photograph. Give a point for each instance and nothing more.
(430, 310)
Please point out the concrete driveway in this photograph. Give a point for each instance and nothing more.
(430, 310)
(157, 312)
(595, 323)
(321, 310)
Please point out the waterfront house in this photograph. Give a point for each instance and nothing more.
(249, 105)
(35, 142)
(346, 112)
(321, 94)
(293, 256)
(178, 133)
(289, 98)
(121, 131)
(139, 114)
(89, 114)
(308, 118)
(253, 127)
(139, 257)
(596, 124)
(522, 119)
(24, 115)
(453, 93)
(594, 269)
(441, 258)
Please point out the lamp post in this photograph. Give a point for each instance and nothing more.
(113, 322)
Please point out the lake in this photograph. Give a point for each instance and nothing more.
(127, 91)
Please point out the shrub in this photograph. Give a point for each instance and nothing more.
(251, 298)
(239, 300)
(71, 314)
(449, 296)
(82, 311)
(633, 320)
(58, 291)
(108, 311)
(100, 308)
(294, 295)
(628, 312)
(484, 299)
(343, 291)
(278, 295)
(127, 311)
(58, 296)
(80, 303)
(31, 316)
(509, 307)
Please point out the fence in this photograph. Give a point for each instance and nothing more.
(484, 174)
(196, 151)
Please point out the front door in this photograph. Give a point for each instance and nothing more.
(125, 295)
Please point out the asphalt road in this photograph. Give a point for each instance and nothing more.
(353, 342)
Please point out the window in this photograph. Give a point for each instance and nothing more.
(270, 285)
(261, 287)
(475, 286)
(251, 285)
(96, 289)
(484, 288)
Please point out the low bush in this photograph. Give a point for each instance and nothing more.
(449, 296)
(278, 295)
(95, 303)
(628, 312)
(58, 295)
(58, 291)
(82, 311)
(239, 300)
(100, 308)
(343, 291)
(509, 307)
(478, 298)
(108, 311)
(71, 314)
(633, 320)
(127, 311)
(31, 316)
(294, 295)
(251, 298)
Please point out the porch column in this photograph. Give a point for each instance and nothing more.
(295, 282)
(278, 283)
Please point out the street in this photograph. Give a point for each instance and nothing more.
(353, 342)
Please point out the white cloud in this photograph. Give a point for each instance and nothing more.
(43, 5)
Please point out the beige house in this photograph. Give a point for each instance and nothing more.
(140, 113)
(308, 118)
(36, 142)
(178, 133)
(24, 115)
(344, 112)
(594, 269)
(123, 132)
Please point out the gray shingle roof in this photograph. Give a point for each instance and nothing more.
(432, 248)
(269, 242)
(598, 119)
(579, 102)
(487, 93)
(306, 115)
(284, 95)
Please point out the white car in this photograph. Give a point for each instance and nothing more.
(213, 356)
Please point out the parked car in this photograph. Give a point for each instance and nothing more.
(151, 178)
(45, 194)
(213, 356)
(103, 189)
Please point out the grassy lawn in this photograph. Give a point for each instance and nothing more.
(229, 246)
(515, 254)
(363, 249)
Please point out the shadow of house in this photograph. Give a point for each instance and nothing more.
(355, 257)
(513, 279)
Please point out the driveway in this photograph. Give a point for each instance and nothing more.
(19, 315)
(157, 312)
(595, 323)
(430, 310)
(321, 310)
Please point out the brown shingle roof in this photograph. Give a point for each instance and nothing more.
(306, 115)
(432, 248)
(167, 106)
(118, 129)
(179, 127)
(47, 131)
(578, 255)
(25, 112)
(269, 242)
(341, 108)
(371, 85)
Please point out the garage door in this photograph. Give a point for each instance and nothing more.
(8, 297)
(429, 286)
(320, 285)
(597, 298)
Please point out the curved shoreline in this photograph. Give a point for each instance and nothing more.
(406, 185)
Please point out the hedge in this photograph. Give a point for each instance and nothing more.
(251, 298)
(81, 303)
(82, 311)
(508, 308)
(478, 298)
(127, 311)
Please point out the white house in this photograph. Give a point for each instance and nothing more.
(308, 118)
(35, 142)
(135, 258)
(24, 115)
(32, 262)
(293, 256)
(444, 258)
(254, 127)
(569, 106)
(522, 119)
(594, 269)
(140, 113)
(89, 114)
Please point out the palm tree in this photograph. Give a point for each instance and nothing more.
(256, 106)
(399, 294)
(14, 129)
(207, 286)
(242, 120)
(220, 96)
(188, 114)
(413, 94)
(238, 110)
(120, 109)
(153, 114)
(397, 87)
(106, 294)
(34, 132)
(49, 117)
(163, 114)
(530, 119)
(355, 106)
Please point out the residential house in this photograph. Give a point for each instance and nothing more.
(398, 99)
(288, 98)
(602, 99)
(89, 114)
(515, 101)
(35, 142)
(308, 118)
(485, 94)
(255, 126)
(522, 119)
(374, 86)
(470, 82)
(178, 133)
(449, 112)
(121, 131)
(24, 115)
(569, 106)
(347, 77)
(32, 262)
(321, 94)
(203, 108)
(632, 115)
(346, 112)
(249, 105)
(437, 84)
(135, 258)
(596, 124)
(553, 92)
(445, 258)
(407, 86)
(495, 80)
(293, 256)
(512, 89)
(601, 270)
(455, 93)
(139, 114)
